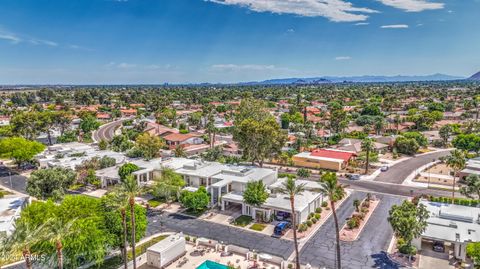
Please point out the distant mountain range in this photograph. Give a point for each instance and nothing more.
(357, 79)
(475, 77)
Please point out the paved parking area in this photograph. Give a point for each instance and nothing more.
(364, 252)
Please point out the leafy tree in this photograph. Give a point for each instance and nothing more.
(445, 132)
(456, 160)
(169, 185)
(255, 193)
(338, 118)
(149, 145)
(303, 173)
(68, 136)
(472, 187)
(330, 187)
(121, 143)
(407, 146)
(253, 109)
(473, 251)
(367, 146)
(20, 149)
(127, 169)
(291, 189)
(89, 123)
(372, 110)
(50, 183)
(195, 201)
(180, 152)
(27, 124)
(56, 232)
(408, 221)
(419, 137)
(468, 142)
(102, 145)
(260, 140)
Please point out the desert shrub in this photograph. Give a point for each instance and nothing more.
(317, 215)
(309, 223)
(352, 223)
(318, 210)
(324, 204)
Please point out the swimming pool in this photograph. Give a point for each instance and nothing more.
(211, 265)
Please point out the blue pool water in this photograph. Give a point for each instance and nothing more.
(211, 265)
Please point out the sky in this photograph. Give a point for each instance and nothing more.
(193, 41)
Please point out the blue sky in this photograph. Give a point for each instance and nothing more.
(179, 41)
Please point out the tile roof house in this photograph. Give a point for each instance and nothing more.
(331, 159)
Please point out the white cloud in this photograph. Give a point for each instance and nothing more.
(343, 58)
(334, 10)
(290, 30)
(362, 23)
(413, 5)
(248, 67)
(17, 39)
(394, 26)
(10, 37)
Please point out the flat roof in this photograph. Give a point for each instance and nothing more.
(452, 223)
(167, 243)
(309, 184)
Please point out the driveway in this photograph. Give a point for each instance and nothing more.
(227, 234)
(18, 182)
(400, 171)
(320, 250)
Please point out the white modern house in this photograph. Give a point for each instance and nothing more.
(455, 225)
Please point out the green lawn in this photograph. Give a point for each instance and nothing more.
(258, 227)
(242, 221)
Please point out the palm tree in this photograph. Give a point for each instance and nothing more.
(24, 236)
(329, 187)
(367, 146)
(56, 230)
(119, 200)
(131, 189)
(456, 161)
(290, 188)
(180, 152)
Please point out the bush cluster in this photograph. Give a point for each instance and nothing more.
(457, 201)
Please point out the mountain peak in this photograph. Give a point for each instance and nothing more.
(476, 76)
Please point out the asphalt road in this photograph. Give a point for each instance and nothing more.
(18, 182)
(320, 251)
(400, 171)
(107, 131)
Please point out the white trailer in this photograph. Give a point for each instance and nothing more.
(166, 251)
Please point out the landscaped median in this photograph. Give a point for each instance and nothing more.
(354, 226)
(246, 222)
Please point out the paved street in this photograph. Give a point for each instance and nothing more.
(230, 235)
(18, 182)
(375, 237)
(397, 173)
(107, 131)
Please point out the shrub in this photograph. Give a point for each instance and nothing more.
(309, 223)
(407, 250)
(302, 227)
(318, 210)
(317, 215)
(352, 223)
(311, 215)
(314, 220)
(324, 204)
(187, 238)
(364, 210)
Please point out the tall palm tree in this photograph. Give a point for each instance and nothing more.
(56, 230)
(290, 188)
(119, 201)
(367, 146)
(456, 160)
(22, 239)
(330, 187)
(131, 189)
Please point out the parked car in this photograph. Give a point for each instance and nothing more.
(281, 228)
(384, 169)
(353, 176)
(438, 246)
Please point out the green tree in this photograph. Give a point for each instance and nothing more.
(88, 123)
(255, 193)
(56, 232)
(368, 146)
(149, 145)
(330, 187)
(168, 186)
(260, 140)
(468, 142)
(456, 160)
(131, 189)
(22, 239)
(407, 146)
(419, 137)
(102, 145)
(195, 201)
(473, 251)
(408, 221)
(291, 189)
(303, 173)
(20, 149)
(253, 109)
(180, 152)
(127, 169)
(445, 132)
(50, 183)
(472, 187)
